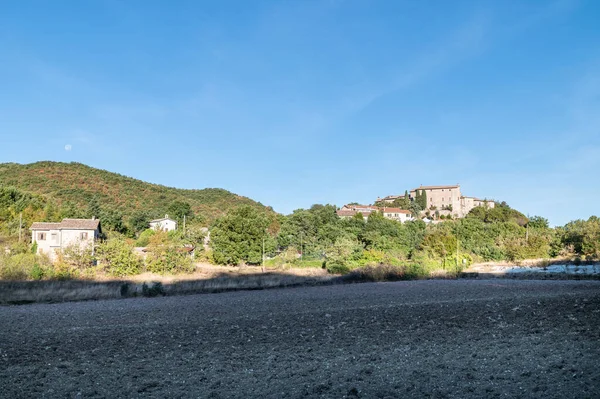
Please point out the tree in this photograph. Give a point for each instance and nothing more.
(423, 199)
(238, 236)
(139, 221)
(94, 209)
(538, 222)
(178, 209)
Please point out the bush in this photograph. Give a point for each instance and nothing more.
(378, 273)
(24, 266)
(335, 268)
(116, 257)
(343, 253)
(156, 290)
(144, 238)
(166, 257)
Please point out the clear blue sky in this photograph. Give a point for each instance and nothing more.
(300, 102)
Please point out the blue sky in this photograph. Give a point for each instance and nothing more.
(299, 102)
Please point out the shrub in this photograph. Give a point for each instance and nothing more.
(335, 268)
(378, 273)
(156, 290)
(24, 266)
(343, 252)
(166, 257)
(144, 238)
(116, 257)
(37, 273)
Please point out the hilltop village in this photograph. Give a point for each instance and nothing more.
(430, 203)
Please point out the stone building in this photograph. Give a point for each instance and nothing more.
(448, 200)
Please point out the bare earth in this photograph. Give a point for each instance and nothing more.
(437, 338)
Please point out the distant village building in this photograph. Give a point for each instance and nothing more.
(448, 200)
(52, 238)
(389, 199)
(401, 215)
(164, 224)
(351, 210)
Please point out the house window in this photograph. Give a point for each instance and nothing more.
(53, 236)
(83, 235)
(41, 237)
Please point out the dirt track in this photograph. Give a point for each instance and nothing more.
(443, 339)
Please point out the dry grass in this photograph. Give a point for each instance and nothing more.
(541, 262)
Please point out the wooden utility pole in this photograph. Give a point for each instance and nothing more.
(20, 225)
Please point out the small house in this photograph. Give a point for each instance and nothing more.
(164, 224)
(52, 238)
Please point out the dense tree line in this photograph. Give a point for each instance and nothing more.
(486, 234)
(306, 237)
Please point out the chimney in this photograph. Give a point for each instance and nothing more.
(93, 217)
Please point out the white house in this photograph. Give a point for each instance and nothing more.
(165, 224)
(401, 215)
(54, 237)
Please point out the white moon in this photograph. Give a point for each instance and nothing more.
(68, 147)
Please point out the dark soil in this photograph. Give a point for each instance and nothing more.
(436, 338)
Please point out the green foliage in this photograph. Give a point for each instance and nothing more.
(74, 261)
(238, 236)
(166, 255)
(144, 238)
(139, 221)
(581, 237)
(538, 222)
(180, 209)
(116, 258)
(343, 253)
(501, 213)
(24, 266)
(155, 290)
(50, 191)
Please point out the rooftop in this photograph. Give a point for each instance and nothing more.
(161, 219)
(68, 224)
(435, 187)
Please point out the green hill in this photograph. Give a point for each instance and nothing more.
(52, 190)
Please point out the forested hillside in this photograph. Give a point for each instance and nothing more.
(49, 191)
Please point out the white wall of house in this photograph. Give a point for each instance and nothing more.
(164, 224)
(81, 238)
(50, 241)
(399, 216)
